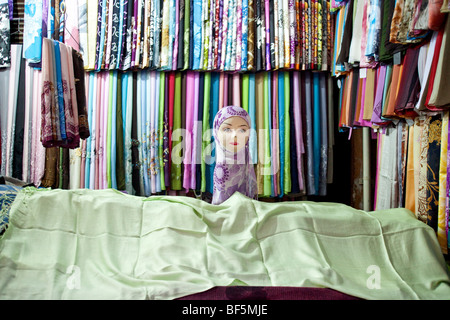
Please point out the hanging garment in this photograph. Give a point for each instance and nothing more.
(440, 96)
(374, 27)
(441, 231)
(233, 171)
(296, 106)
(387, 184)
(70, 99)
(409, 86)
(5, 40)
(32, 30)
(432, 172)
(436, 18)
(355, 45)
(71, 31)
(79, 78)
(420, 165)
(310, 177)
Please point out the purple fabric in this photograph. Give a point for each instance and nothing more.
(233, 171)
(269, 293)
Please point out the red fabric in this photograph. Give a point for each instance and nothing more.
(434, 64)
(435, 17)
(171, 90)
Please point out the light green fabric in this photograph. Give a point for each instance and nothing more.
(103, 244)
(206, 132)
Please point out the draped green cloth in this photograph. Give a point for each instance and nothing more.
(103, 244)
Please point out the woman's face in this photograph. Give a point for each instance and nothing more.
(233, 134)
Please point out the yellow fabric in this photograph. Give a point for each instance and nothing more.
(441, 232)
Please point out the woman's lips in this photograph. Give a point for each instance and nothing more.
(234, 143)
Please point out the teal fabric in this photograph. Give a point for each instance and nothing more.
(103, 244)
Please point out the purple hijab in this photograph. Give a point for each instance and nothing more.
(233, 171)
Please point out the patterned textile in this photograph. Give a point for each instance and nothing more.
(8, 194)
(5, 41)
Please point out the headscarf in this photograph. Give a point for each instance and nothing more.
(233, 171)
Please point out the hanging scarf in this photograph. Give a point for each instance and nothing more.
(5, 40)
(231, 174)
(32, 35)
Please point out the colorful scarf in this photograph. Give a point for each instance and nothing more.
(231, 173)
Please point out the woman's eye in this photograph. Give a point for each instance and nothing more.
(243, 131)
(227, 130)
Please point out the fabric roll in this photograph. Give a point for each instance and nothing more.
(155, 133)
(298, 127)
(167, 128)
(291, 14)
(439, 96)
(365, 62)
(387, 174)
(282, 130)
(355, 45)
(253, 142)
(109, 159)
(197, 29)
(17, 141)
(205, 138)
(135, 141)
(433, 170)
(310, 177)
(213, 109)
(268, 11)
(197, 159)
(378, 99)
(190, 83)
(420, 166)
(374, 28)
(441, 230)
(293, 143)
(447, 194)
(90, 114)
(101, 22)
(267, 173)
(161, 130)
(194, 132)
(324, 135)
(347, 35)
(394, 89)
(436, 18)
(409, 195)
(317, 135)
(259, 100)
(275, 133)
(247, 38)
(28, 120)
(409, 86)
(92, 28)
(425, 71)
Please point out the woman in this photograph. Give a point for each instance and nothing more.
(234, 169)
